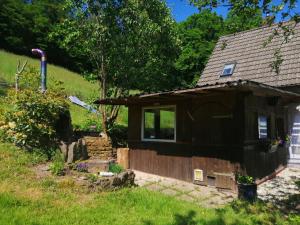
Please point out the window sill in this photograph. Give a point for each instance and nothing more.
(158, 140)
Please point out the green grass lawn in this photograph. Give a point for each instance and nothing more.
(73, 83)
(24, 199)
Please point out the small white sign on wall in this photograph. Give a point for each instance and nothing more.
(298, 108)
(198, 175)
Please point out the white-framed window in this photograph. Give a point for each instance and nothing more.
(228, 69)
(262, 127)
(159, 123)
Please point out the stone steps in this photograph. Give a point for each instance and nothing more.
(99, 148)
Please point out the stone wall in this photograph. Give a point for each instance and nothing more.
(99, 148)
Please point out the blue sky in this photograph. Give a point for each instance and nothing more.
(181, 9)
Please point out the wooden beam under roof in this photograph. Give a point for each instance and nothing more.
(199, 91)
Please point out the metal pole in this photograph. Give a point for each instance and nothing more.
(42, 54)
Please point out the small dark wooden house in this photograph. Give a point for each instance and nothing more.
(236, 120)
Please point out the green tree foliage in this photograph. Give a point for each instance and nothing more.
(29, 118)
(248, 9)
(237, 21)
(242, 15)
(131, 44)
(26, 24)
(199, 34)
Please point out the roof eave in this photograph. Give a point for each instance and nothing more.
(243, 85)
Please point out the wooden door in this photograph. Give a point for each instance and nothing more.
(294, 131)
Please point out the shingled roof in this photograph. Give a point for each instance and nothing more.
(253, 59)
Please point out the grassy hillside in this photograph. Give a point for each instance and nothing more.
(73, 83)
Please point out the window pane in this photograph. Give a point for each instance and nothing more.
(228, 69)
(167, 122)
(149, 131)
(262, 127)
(159, 123)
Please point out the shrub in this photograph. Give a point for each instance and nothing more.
(243, 179)
(91, 123)
(115, 168)
(118, 134)
(92, 177)
(58, 165)
(30, 117)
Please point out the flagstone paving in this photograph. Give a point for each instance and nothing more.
(280, 190)
(201, 195)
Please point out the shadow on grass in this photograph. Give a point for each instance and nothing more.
(291, 204)
(190, 219)
(238, 213)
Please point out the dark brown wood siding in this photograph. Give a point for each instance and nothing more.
(179, 161)
(208, 138)
(217, 133)
(259, 161)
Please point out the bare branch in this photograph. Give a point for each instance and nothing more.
(18, 73)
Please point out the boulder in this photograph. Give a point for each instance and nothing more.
(124, 179)
(64, 149)
(71, 148)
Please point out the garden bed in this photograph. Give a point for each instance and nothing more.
(94, 175)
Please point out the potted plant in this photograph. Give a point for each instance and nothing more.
(279, 143)
(247, 188)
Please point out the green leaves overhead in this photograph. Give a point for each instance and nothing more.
(135, 40)
(248, 9)
(198, 34)
(131, 44)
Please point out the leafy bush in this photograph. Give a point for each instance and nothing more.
(58, 164)
(92, 177)
(118, 134)
(92, 123)
(115, 168)
(30, 117)
(243, 179)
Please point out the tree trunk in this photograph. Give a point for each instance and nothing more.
(108, 116)
(103, 95)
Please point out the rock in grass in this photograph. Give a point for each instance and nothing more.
(71, 149)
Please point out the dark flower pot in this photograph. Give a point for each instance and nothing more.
(247, 192)
(273, 148)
